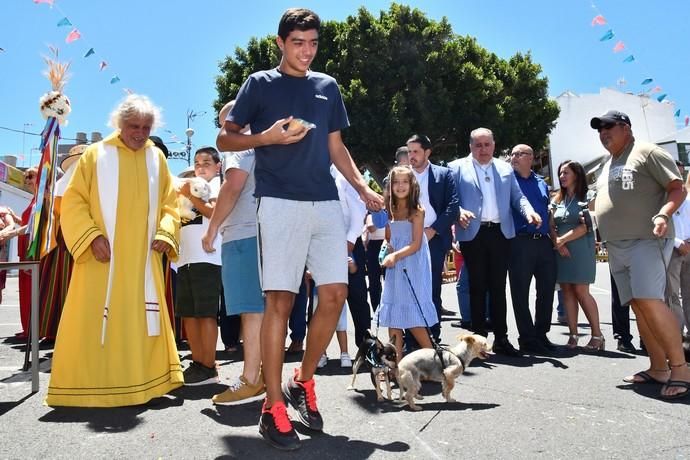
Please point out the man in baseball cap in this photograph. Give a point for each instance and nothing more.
(610, 118)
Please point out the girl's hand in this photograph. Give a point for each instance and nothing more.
(563, 251)
(389, 261)
(559, 243)
(185, 190)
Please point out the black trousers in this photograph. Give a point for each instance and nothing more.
(532, 258)
(357, 294)
(438, 256)
(620, 315)
(486, 258)
(374, 272)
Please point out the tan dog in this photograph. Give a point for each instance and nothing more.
(425, 364)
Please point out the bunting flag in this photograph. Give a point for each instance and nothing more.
(64, 22)
(114, 80)
(74, 35)
(687, 120)
(620, 46)
(607, 36)
(630, 58)
(90, 52)
(128, 91)
(661, 97)
(2, 50)
(43, 203)
(677, 114)
(102, 65)
(646, 81)
(48, 2)
(656, 89)
(598, 20)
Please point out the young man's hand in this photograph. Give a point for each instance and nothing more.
(277, 134)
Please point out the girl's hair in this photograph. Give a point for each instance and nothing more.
(580, 181)
(412, 203)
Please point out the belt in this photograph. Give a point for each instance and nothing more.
(533, 236)
(490, 224)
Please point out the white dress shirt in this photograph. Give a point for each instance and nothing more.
(423, 180)
(489, 203)
(354, 209)
(681, 222)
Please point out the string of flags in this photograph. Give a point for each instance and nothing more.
(646, 84)
(74, 35)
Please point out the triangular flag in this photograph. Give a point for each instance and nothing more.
(646, 81)
(73, 36)
(677, 114)
(662, 97)
(687, 120)
(620, 46)
(128, 91)
(102, 65)
(607, 36)
(114, 80)
(656, 89)
(49, 2)
(90, 52)
(598, 20)
(64, 22)
(630, 58)
(2, 50)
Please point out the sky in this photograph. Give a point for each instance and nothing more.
(170, 50)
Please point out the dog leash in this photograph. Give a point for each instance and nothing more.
(437, 348)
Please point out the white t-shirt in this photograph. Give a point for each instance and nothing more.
(191, 251)
(240, 224)
(354, 209)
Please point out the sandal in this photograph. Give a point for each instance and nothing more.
(598, 340)
(572, 341)
(644, 378)
(677, 384)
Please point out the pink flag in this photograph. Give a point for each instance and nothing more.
(598, 20)
(687, 120)
(49, 2)
(102, 65)
(128, 91)
(656, 89)
(73, 36)
(620, 46)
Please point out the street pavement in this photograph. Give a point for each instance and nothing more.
(568, 405)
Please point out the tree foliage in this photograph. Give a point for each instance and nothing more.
(402, 73)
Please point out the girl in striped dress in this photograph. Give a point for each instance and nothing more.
(408, 257)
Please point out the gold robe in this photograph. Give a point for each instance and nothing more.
(131, 367)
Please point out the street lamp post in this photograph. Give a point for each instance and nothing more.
(189, 132)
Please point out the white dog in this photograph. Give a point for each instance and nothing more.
(425, 364)
(198, 188)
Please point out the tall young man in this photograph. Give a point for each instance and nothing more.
(298, 203)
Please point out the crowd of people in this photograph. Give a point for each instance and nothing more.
(287, 216)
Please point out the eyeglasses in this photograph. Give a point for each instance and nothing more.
(30, 176)
(520, 154)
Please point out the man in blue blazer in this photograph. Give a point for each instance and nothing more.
(440, 202)
(488, 193)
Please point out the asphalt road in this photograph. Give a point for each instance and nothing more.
(570, 405)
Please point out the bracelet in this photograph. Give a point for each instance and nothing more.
(664, 216)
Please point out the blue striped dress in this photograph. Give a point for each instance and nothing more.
(398, 308)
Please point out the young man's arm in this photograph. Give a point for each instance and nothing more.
(231, 140)
(342, 160)
(230, 191)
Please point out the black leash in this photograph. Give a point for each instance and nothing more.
(437, 348)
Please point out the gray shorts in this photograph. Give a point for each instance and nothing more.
(294, 234)
(638, 267)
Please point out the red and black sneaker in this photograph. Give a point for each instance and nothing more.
(276, 428)
(302, 398)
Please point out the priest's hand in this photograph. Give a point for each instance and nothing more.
(101, 249)
(161, 246)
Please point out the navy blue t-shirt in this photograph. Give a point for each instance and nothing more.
(537, 193)
(299, 171)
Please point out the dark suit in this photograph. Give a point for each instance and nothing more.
(444, 201)
(486, 247)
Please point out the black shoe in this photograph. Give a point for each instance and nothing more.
(533, 346)
(544, 340)
(504, 347)
(462, 324)
(302, 398)
(276, 428)
(445, 312)
(626, 346)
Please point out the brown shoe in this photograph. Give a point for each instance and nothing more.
(239, 390)
(295, 347)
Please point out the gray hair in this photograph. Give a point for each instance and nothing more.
(135, 106)
(479, 132)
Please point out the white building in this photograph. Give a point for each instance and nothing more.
(573, 138)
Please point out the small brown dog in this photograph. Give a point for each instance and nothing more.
(381, 360)
(425, 364)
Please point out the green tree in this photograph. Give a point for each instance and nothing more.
(402, 73)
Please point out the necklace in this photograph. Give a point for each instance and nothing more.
(568, 203)
(487, 178)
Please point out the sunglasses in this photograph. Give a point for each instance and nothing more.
(520, 154)
(604, 126)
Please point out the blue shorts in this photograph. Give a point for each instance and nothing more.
(241, 277)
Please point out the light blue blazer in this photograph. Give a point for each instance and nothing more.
(508, 195)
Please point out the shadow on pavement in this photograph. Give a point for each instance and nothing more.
(236, 415)
(9, 405)
(318, 446)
